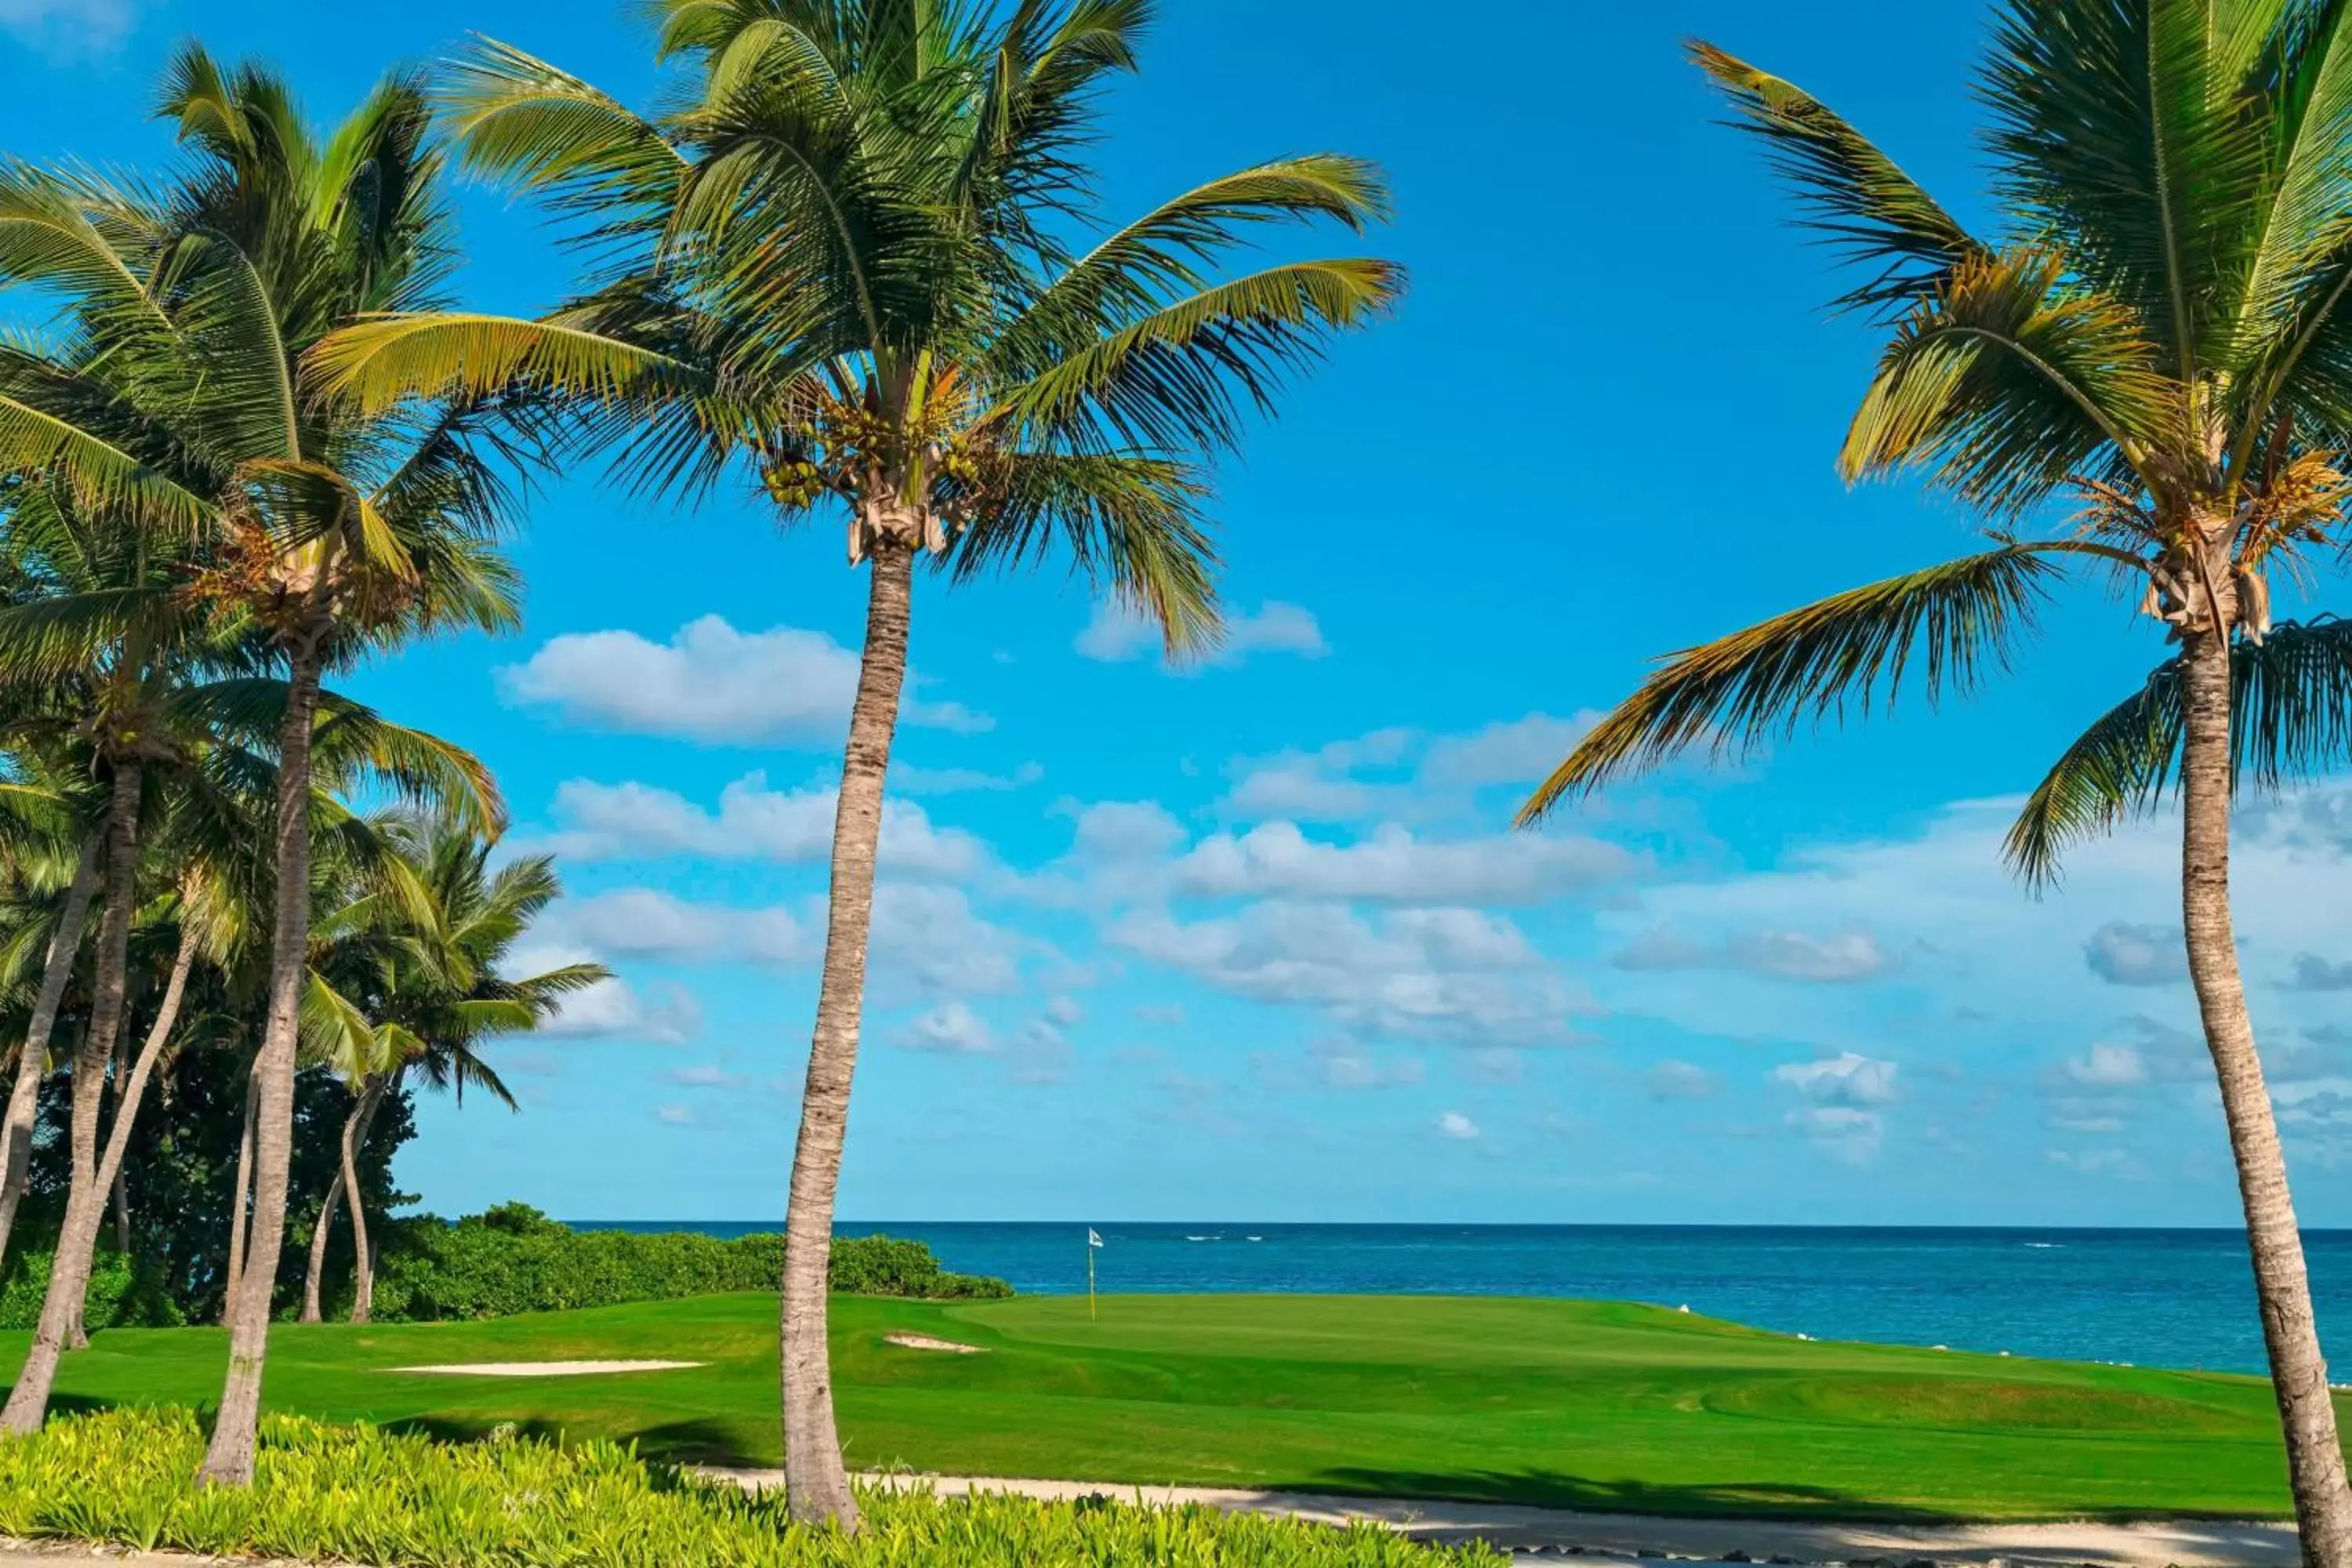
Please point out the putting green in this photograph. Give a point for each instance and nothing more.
(1569, 1404)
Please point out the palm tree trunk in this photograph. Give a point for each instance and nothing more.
(60, 1321)
(228, 1460)
(315, 1271)
(816, 1482)
(2323, 1505)
(33, 1058)
(238, 1226)
(354, 1139)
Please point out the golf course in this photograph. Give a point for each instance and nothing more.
(1566, 1404)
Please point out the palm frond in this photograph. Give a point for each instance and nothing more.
(1963, 620)
(1856, 197)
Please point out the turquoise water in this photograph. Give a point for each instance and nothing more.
(2153, 1298)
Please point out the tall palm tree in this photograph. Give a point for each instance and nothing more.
(845, 266)
(70, 859)
(415, 985)
(322, 531)
(2160, 339)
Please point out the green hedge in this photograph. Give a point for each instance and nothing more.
(356, 1494)
(513, 1260)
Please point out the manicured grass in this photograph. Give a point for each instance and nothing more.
(1571, 1403)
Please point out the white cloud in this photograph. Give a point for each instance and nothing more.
(1459, 976)
(1842, 958)
(710, 682)
(611, 1009)
(2107, 1066)
(950, 1029)
(1849, 1079)
(674, 1116)
(929, 942)
(2125, 954)
(637, 821)
(1522, 751)
(69, 29)
(1064, 1012)
(1849, 1134)
(1340, 1065)
(1119, 633)
(1672, 1079)
(1391, 866)
(1454, 1124)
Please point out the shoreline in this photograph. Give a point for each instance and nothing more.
(1546, 1532)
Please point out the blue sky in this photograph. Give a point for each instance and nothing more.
(1252, 940)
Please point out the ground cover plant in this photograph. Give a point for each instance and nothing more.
(357, 1494)
(1588, 1404)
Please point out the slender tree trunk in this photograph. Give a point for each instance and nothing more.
(228, 1460)
(60, 1321)
(2323, 1505)
(33, 1058)
(122, 1211)
(816, 1482)
(354, 1139)
(314, 1272)
(238, 1227)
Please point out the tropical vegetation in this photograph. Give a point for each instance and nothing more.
(2141, 378)
(360, 1494)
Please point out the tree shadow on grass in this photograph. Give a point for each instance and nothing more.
(1559, 1489)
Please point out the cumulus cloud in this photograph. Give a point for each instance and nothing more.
(1454, 1124)
(1843, 958)
(709, 682)
(1118, 634)
(1398, 772)
(1391, 866)
(642, 922)
(1848, 1079)
(951, 1028)
(2125, 954)
(1670, 1080)
(614, 1010)
(1454, 975)
(637, 821)
(2107, 1066)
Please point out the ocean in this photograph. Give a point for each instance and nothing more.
(2150, 1297)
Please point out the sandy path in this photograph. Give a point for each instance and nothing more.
(2186, 1544)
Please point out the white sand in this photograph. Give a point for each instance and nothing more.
(544, 1368)
(2150, 1544)
(925, 1342)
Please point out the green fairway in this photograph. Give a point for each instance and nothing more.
(1572, 1404)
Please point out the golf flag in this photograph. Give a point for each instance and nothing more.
(1093, 1241)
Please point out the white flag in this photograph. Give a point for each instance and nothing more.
(1092, 1239)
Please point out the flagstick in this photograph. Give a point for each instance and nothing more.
(1090, 1278)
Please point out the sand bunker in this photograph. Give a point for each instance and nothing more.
(544, 1368)
(925, 1342)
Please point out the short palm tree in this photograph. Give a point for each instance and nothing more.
(2160, 339)
(178, 406)
(845, 264)
(412, 983)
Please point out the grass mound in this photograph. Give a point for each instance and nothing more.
(359, 1494)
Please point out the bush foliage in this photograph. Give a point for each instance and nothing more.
(358, 1494)
(514, 1258)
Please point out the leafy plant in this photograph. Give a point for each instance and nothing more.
(360, 1494)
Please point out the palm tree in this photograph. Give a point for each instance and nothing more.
(321, 533)
(844, 264)
(2158, 338)
(414, 985)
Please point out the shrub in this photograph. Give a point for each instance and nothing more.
(357, 1494)
(512, 1259)
(118, 1297)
